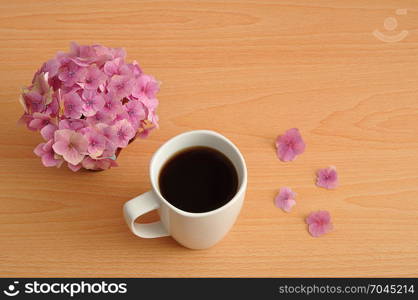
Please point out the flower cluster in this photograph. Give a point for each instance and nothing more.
(88, 104)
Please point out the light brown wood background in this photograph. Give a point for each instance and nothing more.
(249, 70)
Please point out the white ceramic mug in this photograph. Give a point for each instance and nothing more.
(192, 230)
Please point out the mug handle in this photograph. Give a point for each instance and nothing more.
(139, 206)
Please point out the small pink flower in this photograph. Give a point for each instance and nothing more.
(290, 145)
(71, 145)
(96, 142)
(109, 132)
(285, 199)
(92, 102)
(71, 73)
(94, 77)
(319, 223)
(121, 85)
(124, 133)
(72, 105)
(145, 86)
(135, 111)
(111, 104)
(47, 154)
(327, 178)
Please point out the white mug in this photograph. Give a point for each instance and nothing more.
(192, 230)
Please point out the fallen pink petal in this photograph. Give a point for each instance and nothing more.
(285, 199)
(327, 178)
(289, 145)
(319, 223)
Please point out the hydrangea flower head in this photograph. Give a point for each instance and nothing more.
(88, 104)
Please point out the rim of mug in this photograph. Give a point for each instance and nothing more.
(240, 190)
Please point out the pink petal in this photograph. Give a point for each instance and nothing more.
(36, 123)
(150, 103)
(60, 147)
(94, 78)
(72, 105)
(327, 178)
(96, 142)
(285, 199)
(73, 156)
(289, 145)
(319, 223)
(112, 67)
(135, 112)
(111, 104)
(79, 142)
(49, 160)
(63, 135)
(88, 163)
(39, 150)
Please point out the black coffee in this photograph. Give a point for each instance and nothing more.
(198, 179)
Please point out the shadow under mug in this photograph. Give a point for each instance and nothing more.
(192, 230)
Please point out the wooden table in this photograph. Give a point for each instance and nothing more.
(249, 70)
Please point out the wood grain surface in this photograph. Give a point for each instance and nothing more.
(249, 70)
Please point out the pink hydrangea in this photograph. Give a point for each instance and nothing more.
(319, 223)
(289, 145)
(124, 133)
(92, 103)
(88, 104)
(71, 145)
(327, 178)
(285, 199)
